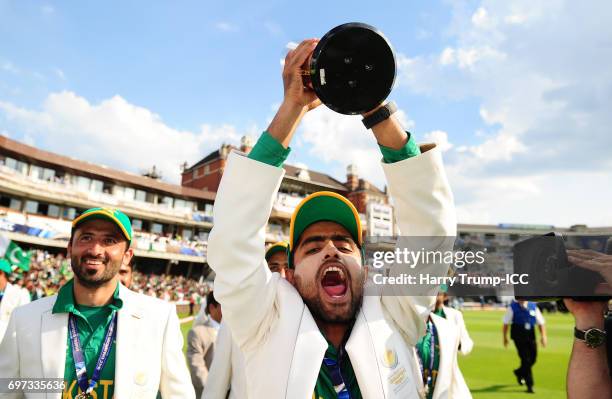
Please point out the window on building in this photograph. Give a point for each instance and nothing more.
(83, 183)
(15, 204)
(36, 172)
(187, 234)
(69, 213)
(14, 164)
(179, 203)
(96, 186)
(129, 193)
(150, 197)
(137, 224)
(48, 174)
(5, 201)
(31, 206)
(146, 225)
(206, 170)
(141, 195)
(166, 201)
(43, 209)
(53, 211)
(10, 162)
(189, 205)
(157, 228)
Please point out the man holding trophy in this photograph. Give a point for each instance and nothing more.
(316, 335)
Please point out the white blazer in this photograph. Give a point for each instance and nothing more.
(281, 343)
(227, 369)
(149, 354)
(14, 296)
(455, 317)
(450, 383)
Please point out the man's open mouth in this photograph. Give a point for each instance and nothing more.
(334, 282)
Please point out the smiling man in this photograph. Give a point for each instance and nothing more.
(316, 334)
(102, 339)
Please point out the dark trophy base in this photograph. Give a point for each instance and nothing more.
(352, 69)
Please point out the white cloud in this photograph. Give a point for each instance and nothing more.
(340, 140)
(115, 133)
(439, 137)
(59, 73)
(225, 26)
(481, 18)
(544, 93)
(9, 67)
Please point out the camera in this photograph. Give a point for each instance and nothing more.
(551, 275)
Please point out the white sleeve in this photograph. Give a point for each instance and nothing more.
(244, 285)
(464, 337)
(508, 316)
(9, 355)
(424, 207)
(175, 381)
(539, 318)
(220, 373)
(25, 297)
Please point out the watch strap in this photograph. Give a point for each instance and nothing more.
(579, 334)
(380, 115)
(597, 336)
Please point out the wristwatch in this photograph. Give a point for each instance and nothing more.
(593, 337)
(380, 115)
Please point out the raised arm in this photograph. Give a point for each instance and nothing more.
(244, 286)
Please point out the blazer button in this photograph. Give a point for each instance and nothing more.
(140, 378)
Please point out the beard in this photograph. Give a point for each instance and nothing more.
(331, 313)
(94, 279)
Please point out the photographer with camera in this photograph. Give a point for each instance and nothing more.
(588, 374)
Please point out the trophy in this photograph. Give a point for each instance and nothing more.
(352, 68)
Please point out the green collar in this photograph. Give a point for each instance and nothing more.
(65, 299)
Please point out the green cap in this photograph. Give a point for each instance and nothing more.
(324, 206)
(280, 246)
(113, 215)
(5, 266)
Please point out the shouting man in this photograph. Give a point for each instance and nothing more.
(316, 334)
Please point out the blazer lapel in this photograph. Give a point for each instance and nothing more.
(364, 360)
(310, 348)
(383, 362)
(53, 340)
(129, 321)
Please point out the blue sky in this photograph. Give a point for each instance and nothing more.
(502, 86)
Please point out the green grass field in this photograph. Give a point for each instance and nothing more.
(488, 369)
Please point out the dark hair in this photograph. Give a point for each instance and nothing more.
(211, 300)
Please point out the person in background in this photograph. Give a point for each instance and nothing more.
(226, 378)
(522, 317)
(11, 296)
(126, 272)
(455, 317)
(436, 353)
(201, 344)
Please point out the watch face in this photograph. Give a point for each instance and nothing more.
(594, 337)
